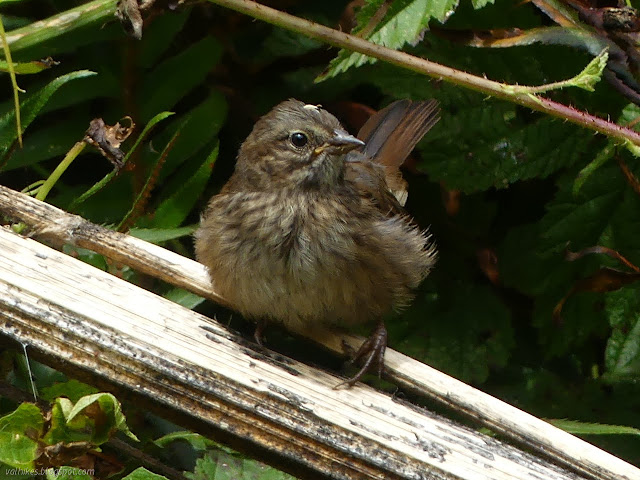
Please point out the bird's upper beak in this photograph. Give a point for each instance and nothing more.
(345, 141)
(341, 142)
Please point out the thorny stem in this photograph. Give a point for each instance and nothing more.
(426, 67)
(143, 197)
(101, 10)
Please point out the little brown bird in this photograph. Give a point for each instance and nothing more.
(310, 231)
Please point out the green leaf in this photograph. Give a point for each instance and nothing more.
(46, 143)
(592, 73)
(622, 356)
(532, 260)
(572, 37)
(581, 219)
(565, 220)
(103, 86)
(67, 30)
(478, 4)
(87, 256)
(19, 435)
(196, 130)
(221, 465)
(521, 266)
(160, 34)
(403, 23)
(10, 473)
(73, 390)
(284, 43)
(35, 66)
(196, 440)
(183, 297)
(172, 212)
(486, 147)
(465, 342)
(586, 79)
(624, 229)
(143, 474)
(110, 407)
(152, 123)
(175, 77)
(600, 159)
(584, 428)
(144, 191)
(68, 473)
(30, 107)
(61, 431)
(161, 235)
(480, 144)
(629, 114)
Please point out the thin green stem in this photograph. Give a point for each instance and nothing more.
(46, 187)
(586, 79)
(602, 157)
(14, 82)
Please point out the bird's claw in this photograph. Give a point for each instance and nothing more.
(371, 354)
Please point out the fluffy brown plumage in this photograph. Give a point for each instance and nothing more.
(308, 230)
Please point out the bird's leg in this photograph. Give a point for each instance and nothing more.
(258, 335)
(371, 353)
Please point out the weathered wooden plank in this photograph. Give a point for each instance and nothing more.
(61, 227)
(95, 320)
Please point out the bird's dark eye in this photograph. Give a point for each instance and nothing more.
(299, 139)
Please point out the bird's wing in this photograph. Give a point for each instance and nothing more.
(369, 179)
(394, 131)
(389, 136)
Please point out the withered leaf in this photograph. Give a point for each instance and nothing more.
(128, 12)
(63, 453)
(108, 138)
(599, 249)
(580, 24)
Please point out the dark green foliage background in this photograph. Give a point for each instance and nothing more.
(219, 71)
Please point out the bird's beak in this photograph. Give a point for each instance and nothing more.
(341, 142)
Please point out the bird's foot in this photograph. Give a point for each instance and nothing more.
(258, 334)
(371, 354)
